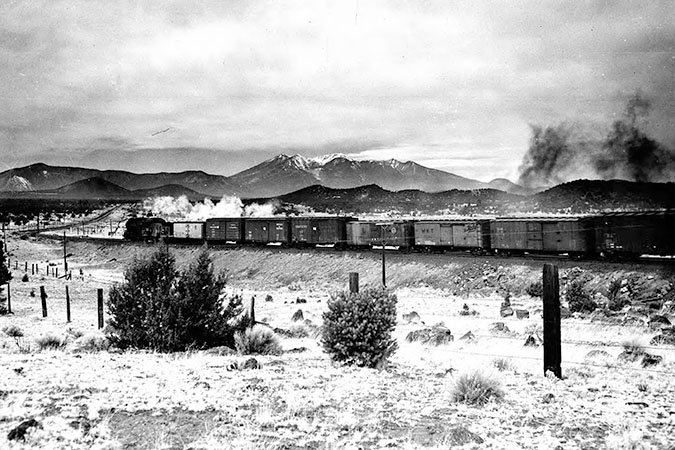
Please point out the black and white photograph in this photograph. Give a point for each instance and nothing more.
(323, 225)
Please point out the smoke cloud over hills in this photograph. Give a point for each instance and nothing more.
(564, 152)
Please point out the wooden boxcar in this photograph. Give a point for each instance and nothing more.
(187, 231)
(453, 233)
(362, 233)
(572, 235)
(267, 230)
(631, 234)
(366, 233)
(397, 233)
(319, 230)
(225, 230)
(149, 229)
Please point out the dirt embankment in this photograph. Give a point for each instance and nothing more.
(638, 285)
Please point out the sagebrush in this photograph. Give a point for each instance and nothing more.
(159, 308)
(579, 299)
(50, 342)
(357, 328)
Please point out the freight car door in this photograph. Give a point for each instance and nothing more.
(534, 236)
(446, 235)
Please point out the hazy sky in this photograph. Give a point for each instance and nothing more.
(450, 84)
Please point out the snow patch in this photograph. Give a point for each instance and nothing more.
(18, 184)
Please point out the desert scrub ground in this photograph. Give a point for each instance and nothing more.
(300, 400)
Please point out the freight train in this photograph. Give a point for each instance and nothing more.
(619, 235)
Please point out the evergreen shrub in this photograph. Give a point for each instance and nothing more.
(357, 327)
(160, 308)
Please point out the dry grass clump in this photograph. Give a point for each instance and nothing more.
(92, 342)
(502, 364)
(50, 341)
(16, 333)
(259, 340)
(476, 388)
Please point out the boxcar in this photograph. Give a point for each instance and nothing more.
(187, 231)
(629, 235)
(319, 230)
(453, 233)
(573, 235)
(149, 229)
(267, 230)
(397, 233)
(225, 230)
(362, 233)
(366, 233)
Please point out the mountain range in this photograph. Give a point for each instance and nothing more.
(277, 176)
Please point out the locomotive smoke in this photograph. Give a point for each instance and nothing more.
(563, 153)
(181, 208)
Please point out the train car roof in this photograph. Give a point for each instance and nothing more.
(663, 212)
(541, 218)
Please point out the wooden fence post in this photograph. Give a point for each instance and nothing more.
(67, 305)
(26, 267)
(56, 272)
(251, 311)
(32, 269)
(43, 297)
(100, 309)
(354, 282)
(9, 299)
(552, 352)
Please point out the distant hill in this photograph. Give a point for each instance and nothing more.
(100, 189)
(285, 173)
(42, 177)
(90, 188)
(373, 199)
(596, 195)
(273, 177)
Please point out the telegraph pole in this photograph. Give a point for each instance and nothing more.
(65, 260)
(384, 275)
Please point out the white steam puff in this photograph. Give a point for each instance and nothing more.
(181, 208)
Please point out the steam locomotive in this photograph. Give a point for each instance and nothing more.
(618, 235)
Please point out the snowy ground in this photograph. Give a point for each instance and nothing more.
(300, 400)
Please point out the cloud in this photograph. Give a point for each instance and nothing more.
(458, 75)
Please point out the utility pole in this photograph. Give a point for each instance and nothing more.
(384, 275)
(383, 234)
(65, 260)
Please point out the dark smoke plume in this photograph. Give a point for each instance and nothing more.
(561, 153)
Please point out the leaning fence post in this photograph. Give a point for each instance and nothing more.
(354, 282)
(100, 309)
(67, 305)
(552, 353)
(43, 297)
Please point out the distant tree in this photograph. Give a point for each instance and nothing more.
(5, 274)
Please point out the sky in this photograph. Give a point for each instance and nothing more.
(223, 85)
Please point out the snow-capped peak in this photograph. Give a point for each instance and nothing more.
(297, 161)
(325, 159)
